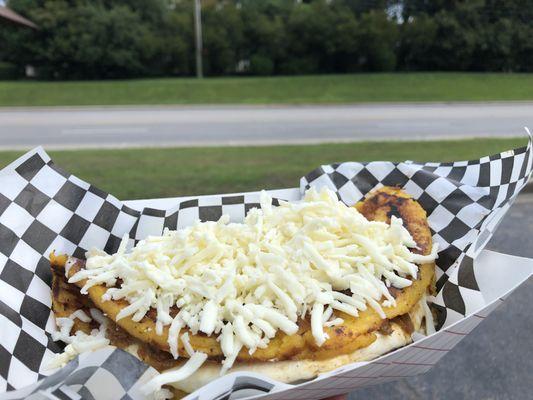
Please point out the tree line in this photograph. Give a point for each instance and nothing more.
(95, 39)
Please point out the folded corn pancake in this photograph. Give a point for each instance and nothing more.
(370, 332)
(392, 334)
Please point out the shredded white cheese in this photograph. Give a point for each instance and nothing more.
(81, 315)
(187, 344)
(80, 342)
(175, 375)
(243, 282)
(334, 322)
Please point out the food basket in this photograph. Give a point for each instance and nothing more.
(43, 208)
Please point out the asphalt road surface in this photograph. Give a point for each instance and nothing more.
(226, 125)
(495, 361)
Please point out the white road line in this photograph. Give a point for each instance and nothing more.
(92, 131)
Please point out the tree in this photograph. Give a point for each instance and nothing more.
(377, 38)
(309, 39)
(417, 38)
(93, 39)
(264, 36)
(101, 39)
(223, 38)
(346, 41)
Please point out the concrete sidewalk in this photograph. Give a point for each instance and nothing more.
(495, 361)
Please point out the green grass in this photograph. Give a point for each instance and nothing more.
(145, 173)
(324, 89)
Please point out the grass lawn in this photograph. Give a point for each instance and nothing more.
(145, 173)
(323, 89)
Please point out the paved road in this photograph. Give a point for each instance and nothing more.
(224, 125)
(495, 361)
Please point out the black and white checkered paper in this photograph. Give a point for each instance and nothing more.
(45, 209)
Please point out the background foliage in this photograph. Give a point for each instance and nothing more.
(93, 39)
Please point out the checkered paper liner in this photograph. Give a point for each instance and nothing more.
(43, 208)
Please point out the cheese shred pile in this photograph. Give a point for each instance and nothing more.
(244, 282)
(80, 342)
